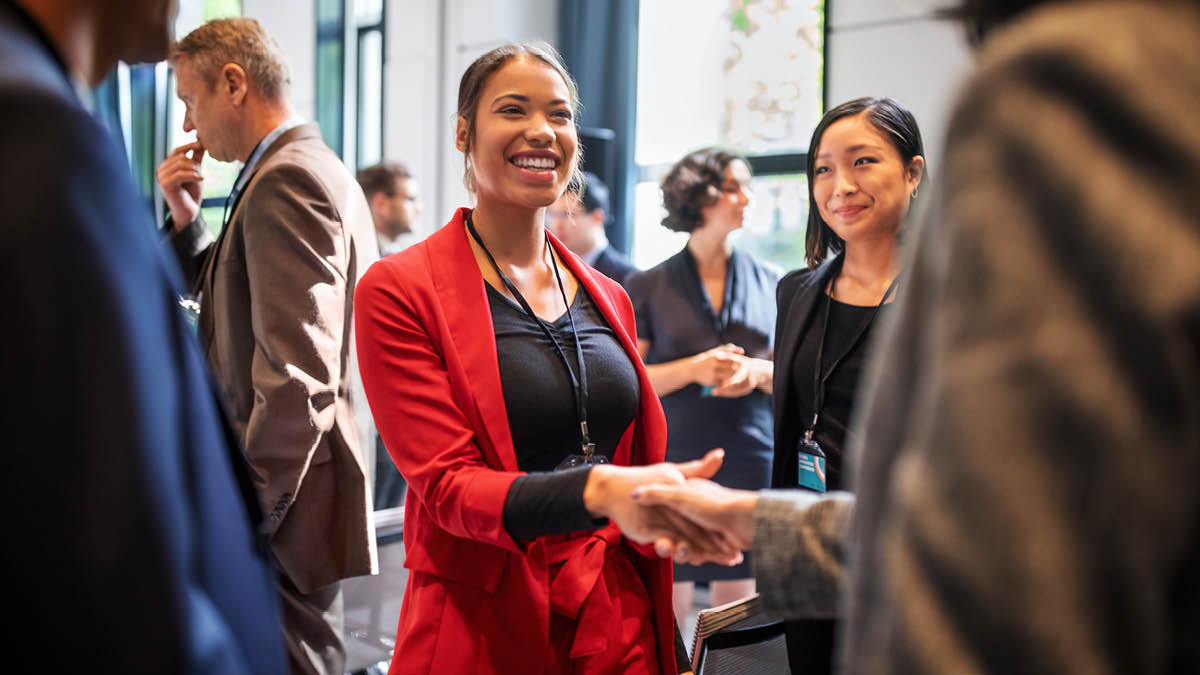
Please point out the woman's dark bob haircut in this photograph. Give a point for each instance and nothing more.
(896, 124)
(694, 183)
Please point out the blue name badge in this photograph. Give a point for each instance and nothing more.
(812, 471)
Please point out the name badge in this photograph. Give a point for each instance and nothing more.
(811, 464)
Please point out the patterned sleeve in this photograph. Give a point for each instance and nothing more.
(800, 551)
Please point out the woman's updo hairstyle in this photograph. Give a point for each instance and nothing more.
(475, 79)
(889, 118)
(692, 184)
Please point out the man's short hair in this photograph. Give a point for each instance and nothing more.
(381, 178)
(595, 194)
(241, 41)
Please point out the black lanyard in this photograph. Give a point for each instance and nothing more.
(578, 385)
(720, 321)
(820, 379)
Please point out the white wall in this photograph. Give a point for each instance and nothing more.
(293, 24)
(895, 48)
(473, 27)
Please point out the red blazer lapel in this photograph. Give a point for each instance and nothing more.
(651, 425)
(460, 287)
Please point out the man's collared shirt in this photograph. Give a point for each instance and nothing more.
(260, 149)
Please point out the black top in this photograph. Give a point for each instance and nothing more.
(846, 324)
(543, 421)
(541, 410)
(674, 314)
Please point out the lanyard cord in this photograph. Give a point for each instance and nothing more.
(578, 385)
(820, 380)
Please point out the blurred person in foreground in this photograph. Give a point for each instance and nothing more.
(276, 288)
(132, 530)
(1029, 446)
(578, 219)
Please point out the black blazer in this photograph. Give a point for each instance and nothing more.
(614, 265)
(796, 297)
(131, 514)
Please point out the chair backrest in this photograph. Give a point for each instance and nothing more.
(737, 638)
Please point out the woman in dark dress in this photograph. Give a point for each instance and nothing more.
(865, 165)
(706, 321)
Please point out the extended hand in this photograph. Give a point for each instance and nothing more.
(179, 178)
(710, 507)
(609, 494)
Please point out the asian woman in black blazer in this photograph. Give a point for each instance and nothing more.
(865, 165)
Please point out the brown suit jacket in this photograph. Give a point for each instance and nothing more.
(276, 290)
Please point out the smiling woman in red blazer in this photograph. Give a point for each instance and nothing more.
(504, 378)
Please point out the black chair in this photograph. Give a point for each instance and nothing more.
(736, 638)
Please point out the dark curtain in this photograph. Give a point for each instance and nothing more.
(599, 39)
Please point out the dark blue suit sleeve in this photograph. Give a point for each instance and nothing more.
(130, 544)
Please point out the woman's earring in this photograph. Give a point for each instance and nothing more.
(914, 194)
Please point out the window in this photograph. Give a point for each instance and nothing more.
(741, 74)
(331, 71)
(349, 77)
(369, 20)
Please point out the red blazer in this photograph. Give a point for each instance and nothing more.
(478, 601)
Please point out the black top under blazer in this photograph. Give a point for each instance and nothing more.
(796, 297)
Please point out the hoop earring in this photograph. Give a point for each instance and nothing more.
(914, 194)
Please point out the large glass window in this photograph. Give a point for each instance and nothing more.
(369, 18)
(331, 71)
(741, 74)
(349, 77)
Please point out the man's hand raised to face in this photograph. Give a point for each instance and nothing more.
(180, 180)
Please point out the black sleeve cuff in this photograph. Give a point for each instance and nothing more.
(539, 504)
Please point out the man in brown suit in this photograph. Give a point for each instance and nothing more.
(275, 290)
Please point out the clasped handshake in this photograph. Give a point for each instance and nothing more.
(676, 508)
